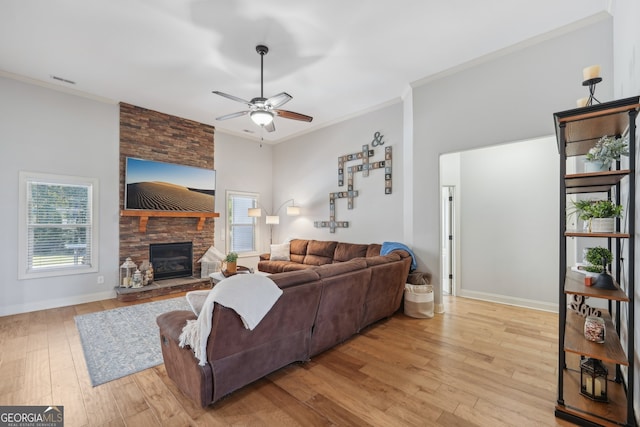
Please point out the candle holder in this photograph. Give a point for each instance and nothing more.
(592, 89)
(593, 380)
(127, 270)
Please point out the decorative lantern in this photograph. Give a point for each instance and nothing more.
(127, 270)
(593, 380)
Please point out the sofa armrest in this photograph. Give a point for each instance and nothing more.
(265, 257)
(171, 323)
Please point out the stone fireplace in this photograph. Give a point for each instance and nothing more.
(171, 260)
(151, 135)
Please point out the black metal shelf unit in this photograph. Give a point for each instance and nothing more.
(578, 130)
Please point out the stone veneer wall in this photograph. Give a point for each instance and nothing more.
(151, 135)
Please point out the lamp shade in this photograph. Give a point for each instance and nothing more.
(261, 117)
(273, 219)
(254, 212)
(293, 210)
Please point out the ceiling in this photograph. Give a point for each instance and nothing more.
(336, 58)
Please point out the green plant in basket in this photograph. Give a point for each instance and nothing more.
(588, 209)
(596, 257)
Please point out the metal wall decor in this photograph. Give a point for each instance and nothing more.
(364, 167)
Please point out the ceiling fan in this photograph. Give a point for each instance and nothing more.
(261, 109)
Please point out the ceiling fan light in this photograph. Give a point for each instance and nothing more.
(261, 117)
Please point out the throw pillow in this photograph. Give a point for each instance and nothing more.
(196, 300)
(280, 252)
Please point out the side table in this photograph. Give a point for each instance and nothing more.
(222, 274)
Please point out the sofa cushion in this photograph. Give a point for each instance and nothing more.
(320, 252)
(294, 266)
(349, 251)
(293, 278)
(383, 259)
(373, 250)
(298, 250)
(330, 270)
(280, 252)
(272, 266)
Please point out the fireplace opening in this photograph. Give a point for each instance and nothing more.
(171, 260)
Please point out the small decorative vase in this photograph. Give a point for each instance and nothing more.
(595, 166)
(602, 225)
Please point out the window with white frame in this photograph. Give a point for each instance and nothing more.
(57, 225)
(241, 228)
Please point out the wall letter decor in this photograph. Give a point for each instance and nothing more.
(364, 167)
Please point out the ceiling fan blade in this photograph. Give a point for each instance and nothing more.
(231, 97)
(232, 115)
(294, 116)
(279, 100)
(271, 127)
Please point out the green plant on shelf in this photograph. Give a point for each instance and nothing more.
(608, 149)
(231, 257)
(597, 258)
(587, 209)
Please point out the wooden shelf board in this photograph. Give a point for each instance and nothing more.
(574, 284)
(575, 233)
(575, 342)
(594, 182)
(144, 216)
(612, 413)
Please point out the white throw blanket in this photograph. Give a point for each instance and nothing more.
(249, 295)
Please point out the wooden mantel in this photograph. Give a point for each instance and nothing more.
(145, 215)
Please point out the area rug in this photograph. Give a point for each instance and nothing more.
(123, 341)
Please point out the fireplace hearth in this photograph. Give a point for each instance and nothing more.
(171, 260)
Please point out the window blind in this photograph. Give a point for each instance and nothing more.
(59, 225)
(241, 225)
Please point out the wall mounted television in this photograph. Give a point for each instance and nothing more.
(160, 186)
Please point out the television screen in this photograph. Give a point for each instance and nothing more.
(151, 185)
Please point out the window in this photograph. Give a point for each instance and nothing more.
(58, 226)
(241, 228)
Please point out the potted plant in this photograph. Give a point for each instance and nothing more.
(600, 214)
(598, 258)
(232, 262)
(607, 149)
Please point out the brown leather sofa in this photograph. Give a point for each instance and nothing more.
(321, 306)
(305, 254)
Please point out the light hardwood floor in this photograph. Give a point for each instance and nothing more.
(478, 364)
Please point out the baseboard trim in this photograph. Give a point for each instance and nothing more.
(503, 299)
(56, 303)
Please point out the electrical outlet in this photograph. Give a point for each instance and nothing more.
(100, 280)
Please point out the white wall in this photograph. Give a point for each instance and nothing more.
(509, 223)
(43, 130)
(306, 169)
(242, 165)
(507, 97)
(626, 56)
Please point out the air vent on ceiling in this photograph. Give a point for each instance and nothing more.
(60, 79)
